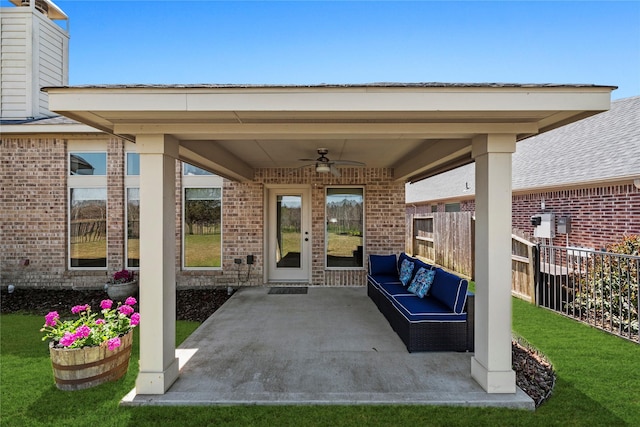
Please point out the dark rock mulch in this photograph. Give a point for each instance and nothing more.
(191, 304)
(534, 374)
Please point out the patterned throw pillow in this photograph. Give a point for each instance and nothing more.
(417, 280)
(406, 269)
(423, 290)
(422, 282)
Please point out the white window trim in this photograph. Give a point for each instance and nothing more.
(364, 227)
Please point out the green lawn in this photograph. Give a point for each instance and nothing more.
(202, 250)
(598, 378)
(342, 245)
(89, 250)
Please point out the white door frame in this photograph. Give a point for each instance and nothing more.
(272, 273)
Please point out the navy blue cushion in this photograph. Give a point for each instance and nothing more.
(450, 290)
(425, 309)
(392, 289)
(383, 264)
(402, 257)
(384, 278)
(423, 265)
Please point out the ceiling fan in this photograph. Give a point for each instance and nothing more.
(324, 165)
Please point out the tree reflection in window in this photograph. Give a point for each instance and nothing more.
(202, 227)
(344, 227)
(88, 227)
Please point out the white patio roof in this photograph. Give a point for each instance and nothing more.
(419, 129)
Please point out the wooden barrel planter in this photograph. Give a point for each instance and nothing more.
(80, 368)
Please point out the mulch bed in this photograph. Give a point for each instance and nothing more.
(192, 304)
(534, 374)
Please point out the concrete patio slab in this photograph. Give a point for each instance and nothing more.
(328, 346)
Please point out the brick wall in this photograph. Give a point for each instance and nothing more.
(599, 216)
(33, 214)
(32, 210)
(116, 220)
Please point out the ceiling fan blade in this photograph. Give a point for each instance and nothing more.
(306, 160)
(335, 171)
(347, 162)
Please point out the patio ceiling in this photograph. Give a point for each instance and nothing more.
(418, 130)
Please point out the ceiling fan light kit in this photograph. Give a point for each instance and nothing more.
(322, 168)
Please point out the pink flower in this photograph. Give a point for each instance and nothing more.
(126, 310)
(51, 318)
(113, 343)
(106, 304)
(130, 301)
(79, 308)
(83, 332)
(99, 321)
(67, 339)
(135, 319)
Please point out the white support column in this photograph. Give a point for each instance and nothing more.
(158, 363)
(491, 364)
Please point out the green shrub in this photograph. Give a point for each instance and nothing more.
(608, 292)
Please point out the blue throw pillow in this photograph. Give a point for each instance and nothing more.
(406, 271)
(415, 283)
(422, 282)
(383, 264)
(423, 290)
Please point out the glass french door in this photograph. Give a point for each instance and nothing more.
(289, 235)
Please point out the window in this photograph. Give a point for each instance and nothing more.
(452, 207)
(201, 219)
(202, 215)
(133, 227)
(190, 170)
(88, 227)
(133, 164)
(87, 209)
(88, 164)
(132, 184)
(344, 227)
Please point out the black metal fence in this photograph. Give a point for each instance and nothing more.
(598, 288)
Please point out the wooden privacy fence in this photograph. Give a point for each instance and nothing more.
(88, 230)
(523, 268)
(446, 239)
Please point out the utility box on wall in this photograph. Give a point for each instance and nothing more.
(564, 225)
(545, 226)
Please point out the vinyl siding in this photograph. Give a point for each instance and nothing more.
(13, 67)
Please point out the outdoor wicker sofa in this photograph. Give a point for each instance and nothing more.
(441, 321)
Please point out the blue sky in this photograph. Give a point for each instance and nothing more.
(306, 42)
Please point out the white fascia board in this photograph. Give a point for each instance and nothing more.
(328, 99)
